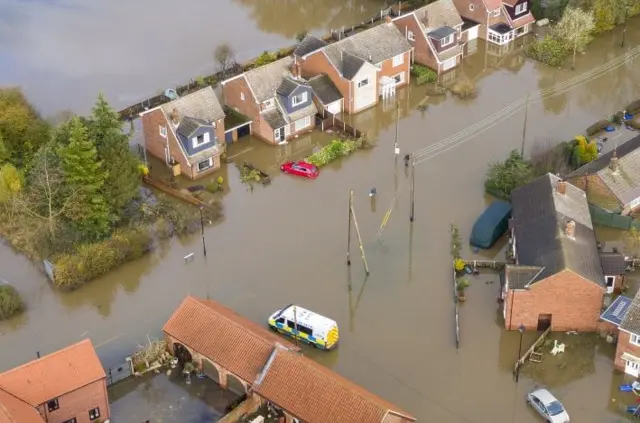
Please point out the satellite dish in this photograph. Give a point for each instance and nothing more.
(170, 93)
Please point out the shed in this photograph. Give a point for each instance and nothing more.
(491, 224)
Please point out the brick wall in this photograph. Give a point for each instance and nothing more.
(597, 191)
(387, 69)
(624, 346)
(78, 403)
(573, 302)
(156, 144)
(422, 52)
(478, 14)
(318, 63)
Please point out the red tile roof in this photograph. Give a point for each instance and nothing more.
(218, 333)
(492, 4)
(315, 394)
(522, 21)
(13, 410)
(54, 374)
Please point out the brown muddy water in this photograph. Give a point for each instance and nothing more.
(285, 243)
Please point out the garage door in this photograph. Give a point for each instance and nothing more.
(472, 33)
(449, 63)
(335, 107)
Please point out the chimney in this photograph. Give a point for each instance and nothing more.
(613, 165)
(561, 187)
(295, 71)
(570, 229)
(387, 19)
(175, 116)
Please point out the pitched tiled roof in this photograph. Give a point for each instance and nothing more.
(631, 321)
(265, 80)
(492, 4)
(523, 20)
(218, 333)
(540, 215)
(325, 89)
(189, 126)
(315, 394)
(202, 104)
(377, 44)
(274, 117)
(613, 264)
(308, 45)
(518, 277)
(14, 410)
(287, 86)
(437, 15)
(54, 374)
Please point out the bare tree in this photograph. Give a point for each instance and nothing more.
(224, 55)
(549, 157)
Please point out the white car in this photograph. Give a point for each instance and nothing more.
(548, 406)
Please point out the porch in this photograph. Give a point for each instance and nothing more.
(502, 33)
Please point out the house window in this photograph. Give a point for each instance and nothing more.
(398, 60)
(363, 83)
(163, 131)
(53, 405)
(268, 103)
(94, 414)
(73, 420)
(635, 340)
(447, 40)
(201, 139)
(411, 36)
(471, 7)
(205, 164)
(302, 123)
(521, 8)
(242, 96)
(495, 38)
(277, 134)
(496, 13)
(399, 78)
(299, 99)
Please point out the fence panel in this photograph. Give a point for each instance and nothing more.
(611, 220)
(119, 372)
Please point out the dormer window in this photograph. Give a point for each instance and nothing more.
(201, 140)
(53, 405)
(447, 40)
(299, 99)
(521, 8)
(496, 13)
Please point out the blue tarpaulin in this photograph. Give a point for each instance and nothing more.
(491, 224)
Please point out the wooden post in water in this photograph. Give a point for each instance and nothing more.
(355, 224)
(349, 229)
(524, 125)
(413, 188)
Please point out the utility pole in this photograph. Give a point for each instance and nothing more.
(626, 18)
(413, 188)
(524, 125)
(204, 245)
(396, 147)
(355, 224)
(349, 229)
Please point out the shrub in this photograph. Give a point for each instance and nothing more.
(464, 90)
(458, 265)
(284, 52)
(331, 152)
(200, 81)
(462, 284)
(265, 58)
(423, 74)
(10, 302)
(92, 260)
(585, 151)
(550, 50)
(504, 177)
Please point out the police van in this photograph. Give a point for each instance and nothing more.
(312, 328)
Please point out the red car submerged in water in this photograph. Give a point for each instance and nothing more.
(300, 168)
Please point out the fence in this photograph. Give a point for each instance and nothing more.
(332, 122)
(486, 264)
(602, 217)
(162, 186)
(120, 372)
(530, 351)
(455, 307)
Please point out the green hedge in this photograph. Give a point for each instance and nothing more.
(550, 51)
(92, 260)
(423, 74)
(333, 151)
(10, 302)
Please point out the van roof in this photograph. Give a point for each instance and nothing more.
(307, 317)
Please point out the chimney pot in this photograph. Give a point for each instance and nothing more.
(561, 187)
(175, 116)
(570, 229)
(387, 19)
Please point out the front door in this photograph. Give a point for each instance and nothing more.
(611, 280)
(277, 134)
(544, 322)
(632, 368)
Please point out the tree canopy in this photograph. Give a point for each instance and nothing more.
(504, 177)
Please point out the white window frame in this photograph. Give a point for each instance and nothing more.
(209, 164)
(411, 36)
(398, 60)
(471, 7)
(635, 340)
(449, 39)
(242, 96)
(363, 83)
(521, 8)
(206, 138)
(402, 80)
(268, 103)
(163, 131)
(295, 101)
(304, 122)
(496, 13)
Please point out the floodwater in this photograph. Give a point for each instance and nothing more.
(286, 243)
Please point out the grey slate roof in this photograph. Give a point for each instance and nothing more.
(287, 86)
(540, 214)
(189, 126)
(519, 277)
(350, 65)
(438, 14)
(631, 322)
(325, 89)
(202, 104)
(274, 117)
(309, 110)
(308, 45)
(613, 264)
(265, 80)
(376, 45)
(440, 33)
(604, 160)
(624, 183)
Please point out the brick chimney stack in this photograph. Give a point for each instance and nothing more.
(613, 164)
(388, 19)
(570, 229)
(561, 187)
(295, 70)
(175, 116)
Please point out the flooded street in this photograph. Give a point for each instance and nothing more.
(286, 242)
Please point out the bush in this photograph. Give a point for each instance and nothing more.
(458, 265)
(92, 260)
(504, 177)
(585, 151)
(331, 152)
(265, 58)
(423, 74)
(464, 90)
(462, 284)
(550, 50)
(10, 302)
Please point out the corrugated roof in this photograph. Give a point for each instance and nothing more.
(540, 215)
(613, 264)
(617, 311)
(315, 394)
(631, 320)
(54, 374)
(218, 333)
(325, 89)
(308, 45)
(14, 410)
(437, 15)
(202, 104)
(265, 80)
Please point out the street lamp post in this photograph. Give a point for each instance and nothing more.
(204, 245)
(521, 330)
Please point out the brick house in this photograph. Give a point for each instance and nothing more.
(326, 95)
(612, 181)
(233, 350)
(277, 100)
(557, 279)
(67, 386)
(501, 21)
(364, 66)
(624, 316)
(188, 131)
(435, 33)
